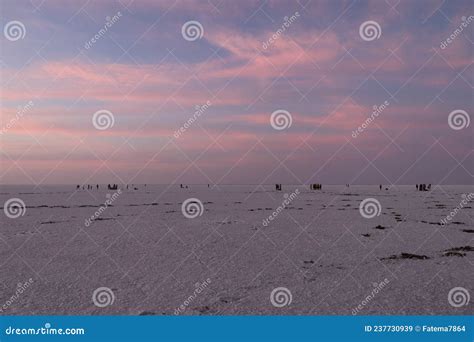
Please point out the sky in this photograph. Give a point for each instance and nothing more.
(236, 92)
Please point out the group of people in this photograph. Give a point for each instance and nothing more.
(311, 186)
(316, 186)
(278, 187)
(89, 187)
(423, 187)
(186, 187)
(109, 187)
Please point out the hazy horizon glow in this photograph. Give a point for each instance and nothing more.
(319, 69)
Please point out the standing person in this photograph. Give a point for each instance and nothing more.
(380, 186)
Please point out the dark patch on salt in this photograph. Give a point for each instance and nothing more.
(380, 227)
(452, 253)
(205, 309)
(461, 249)
(434, 223)
(53, 222)
(229, 299)
(406, 256)
(147, 313)
(104, 218)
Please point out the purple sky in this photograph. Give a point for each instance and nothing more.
(251, 58)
